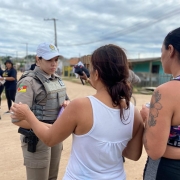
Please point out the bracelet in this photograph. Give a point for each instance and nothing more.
(4, 78)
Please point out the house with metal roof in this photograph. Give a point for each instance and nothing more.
(150, 71)
(68, 67)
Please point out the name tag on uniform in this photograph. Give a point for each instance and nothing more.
(61, 83)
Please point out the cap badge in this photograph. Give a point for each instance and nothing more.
(52, 47)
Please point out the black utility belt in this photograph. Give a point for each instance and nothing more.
(175, 143)
(48, 121)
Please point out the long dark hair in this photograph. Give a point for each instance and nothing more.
(173, 38)
(111, 63)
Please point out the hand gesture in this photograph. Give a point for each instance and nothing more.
(65, 103)
(144, 113)
(84, 76)
(19, 111)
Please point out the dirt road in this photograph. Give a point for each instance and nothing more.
(11, 161)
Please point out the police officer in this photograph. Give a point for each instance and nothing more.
(45, 93)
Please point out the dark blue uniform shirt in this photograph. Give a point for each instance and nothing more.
(10, 85)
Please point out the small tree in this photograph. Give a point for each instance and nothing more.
(4, 58)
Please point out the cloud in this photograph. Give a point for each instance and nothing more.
(139, 26)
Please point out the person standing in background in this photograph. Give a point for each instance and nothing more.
(34, 65)
(1, 85)
(10, 77)
(133, 78)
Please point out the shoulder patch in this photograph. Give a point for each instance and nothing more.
(22, 88)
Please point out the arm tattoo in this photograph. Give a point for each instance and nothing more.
(155, 106)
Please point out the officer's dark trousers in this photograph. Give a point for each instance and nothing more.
(44, 163)
(10, 96)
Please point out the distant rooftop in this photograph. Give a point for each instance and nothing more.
(73, 61)
(145, 59)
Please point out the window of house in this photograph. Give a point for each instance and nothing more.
(155, 68)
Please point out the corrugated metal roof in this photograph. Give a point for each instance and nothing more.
(144, 59)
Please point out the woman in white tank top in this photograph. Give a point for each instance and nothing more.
(105, 126)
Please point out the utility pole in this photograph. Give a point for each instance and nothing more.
(55, 33)
(26, 49)
(16, 55)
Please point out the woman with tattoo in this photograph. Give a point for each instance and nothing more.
(162, 121)
(104, 126)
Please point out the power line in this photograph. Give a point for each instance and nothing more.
(140, 13)
(132, 28)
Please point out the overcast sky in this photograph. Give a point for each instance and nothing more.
(139, 26)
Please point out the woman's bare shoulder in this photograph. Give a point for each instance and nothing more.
(80, 103)
(169, 85)
(78, 110)
(167, 91)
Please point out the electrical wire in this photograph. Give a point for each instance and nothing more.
(134, 28)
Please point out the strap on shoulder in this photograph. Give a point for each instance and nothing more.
(29, 73)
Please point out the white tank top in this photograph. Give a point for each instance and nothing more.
(97, 155)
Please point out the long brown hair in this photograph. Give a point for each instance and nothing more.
(111, 63)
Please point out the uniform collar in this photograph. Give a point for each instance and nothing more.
(37, 69)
